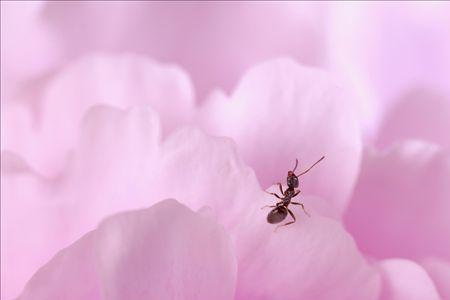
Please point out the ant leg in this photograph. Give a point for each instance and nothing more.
(274, 195)
(268, 206)
(298, 192)
(288, 223)
(301, 204)
(281, 188)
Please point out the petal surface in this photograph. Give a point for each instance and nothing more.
(32, 220)
(200, 37)
(121, 154)
(120, 163)
(439, 271)
(281, 111)
(314, 258)
(120, 81)
(163, 252)
(23, 24)
(71, 274)
(401, 205)
(396, 47)
(404, 279)
(420, 114)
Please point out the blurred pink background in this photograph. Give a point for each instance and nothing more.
(258, 73)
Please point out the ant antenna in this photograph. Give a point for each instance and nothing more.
(304, 172)
(296, 164)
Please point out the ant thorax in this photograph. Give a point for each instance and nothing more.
(286, 201)
(289, 193)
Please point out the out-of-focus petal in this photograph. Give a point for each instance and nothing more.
(281, 111)
(163, 252)
(121, 155)
(396, 47)
(71, 274)
(214, 41)
(406, 280)
(401, 205)
(120, 163)
(23, 25)
(439, 271)
(420, 114)
(120, 81)
(314, 258)
(31, 223)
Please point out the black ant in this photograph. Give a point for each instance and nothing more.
(280, 211)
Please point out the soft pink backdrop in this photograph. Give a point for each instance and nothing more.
(108, 108)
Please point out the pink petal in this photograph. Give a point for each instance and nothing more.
(120, 163)
(163, 252)
(121, 155)
(119, 81)
(200, 36)
(439, 271)
(420, 114)
(119, 148)
(314, 258)
(401, 206)
(281, 111)
(396, 48)
(71, 274)
(31, 221)
(406, 280)
(23, 24)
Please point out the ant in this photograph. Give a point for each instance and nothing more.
(280, 211)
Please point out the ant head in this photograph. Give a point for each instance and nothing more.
(292, 180)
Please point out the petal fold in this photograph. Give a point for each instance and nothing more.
(163, 252)
(401, 205)
(281, 111)
(406, 280)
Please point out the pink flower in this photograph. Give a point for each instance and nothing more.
(171, 252)
(396, 49)
(198, 170)
(119, 182)
(119, 163)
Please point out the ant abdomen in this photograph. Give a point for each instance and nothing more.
(277, 215)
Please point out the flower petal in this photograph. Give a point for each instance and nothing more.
(200, 36)
(163, 252)
(71, 274)
(406, 280)
(125, 151)
(33, 222)
(439, 271)
(396, 47)
(23, 24)
(281, 111)
(420, 114)
(120, 81)
(400, 206)
(120, 164)
(314, 258)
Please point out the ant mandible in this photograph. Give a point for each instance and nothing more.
(280, 211)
